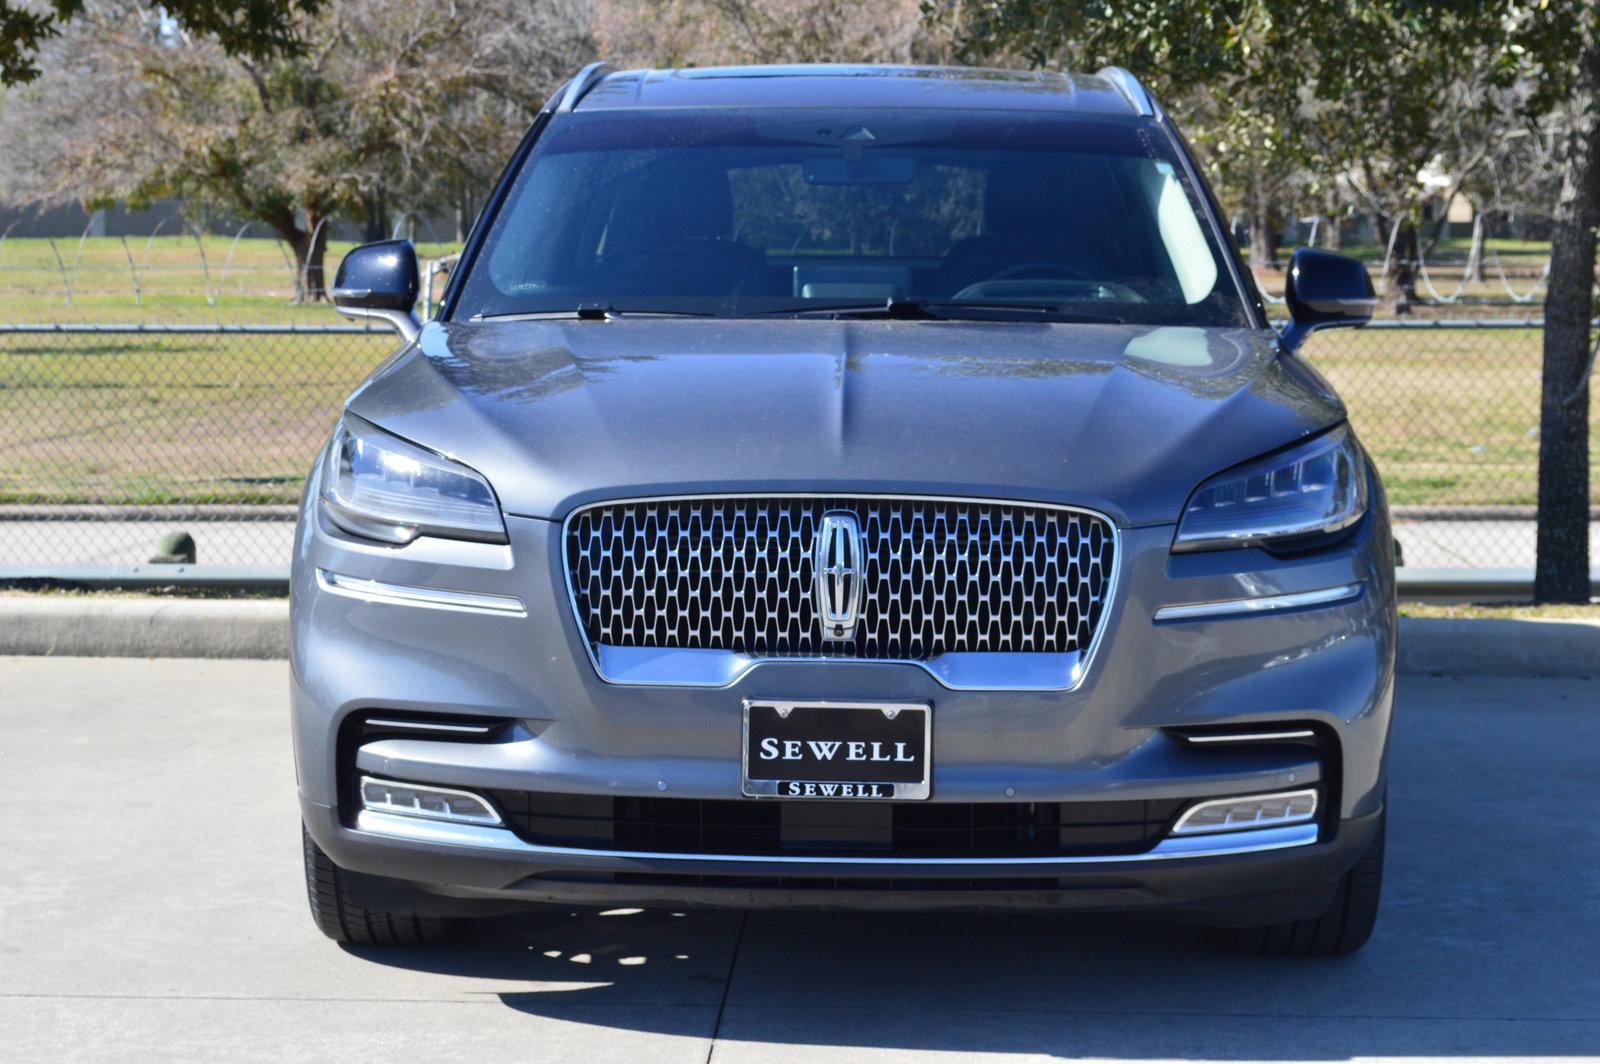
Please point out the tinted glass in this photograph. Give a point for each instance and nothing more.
(761, 212)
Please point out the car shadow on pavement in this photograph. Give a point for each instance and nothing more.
(1056, 985)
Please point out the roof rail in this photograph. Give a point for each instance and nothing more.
(582, 83)
(1130, 88)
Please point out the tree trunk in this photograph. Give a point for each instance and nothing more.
(1562, 573)
(377, 220)
(1332, 238)
(1401, 287)
(1263, 242)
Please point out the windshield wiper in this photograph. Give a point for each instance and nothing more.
(593, 312)
(915, 308)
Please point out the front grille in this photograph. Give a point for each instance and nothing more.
(891, 829)
(737, 574)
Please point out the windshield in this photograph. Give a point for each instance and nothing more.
(741, 213)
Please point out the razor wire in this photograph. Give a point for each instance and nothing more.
(1467, 270)
(215, 259)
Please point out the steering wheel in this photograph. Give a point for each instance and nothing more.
(1040, 270)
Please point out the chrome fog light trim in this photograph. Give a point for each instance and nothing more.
(1285, 736)
(422, 800)
(428, 597)
(429, 726)
(1245, 813)
(1326, 596)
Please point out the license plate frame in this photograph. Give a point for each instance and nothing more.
(801, 784)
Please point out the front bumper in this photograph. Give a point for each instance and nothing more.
(1328, 666)
(1259, 876)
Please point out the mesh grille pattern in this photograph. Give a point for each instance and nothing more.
(940, 576)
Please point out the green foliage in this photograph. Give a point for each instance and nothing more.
(1280, 92)
(21, 33)
(254, 28)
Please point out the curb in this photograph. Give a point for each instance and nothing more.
(144, 627)
(259, 628)
(1496, 647)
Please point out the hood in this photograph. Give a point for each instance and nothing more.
(1122, 419)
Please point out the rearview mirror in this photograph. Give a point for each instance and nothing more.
(380, 281)
(1324, 290)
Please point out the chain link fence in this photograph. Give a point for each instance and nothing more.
(112, 436)
(1449, 410)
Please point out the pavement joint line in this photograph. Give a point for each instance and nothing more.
(819, 1007)
(727, 985)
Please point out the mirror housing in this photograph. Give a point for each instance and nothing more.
(1324, 290)
(380, 281)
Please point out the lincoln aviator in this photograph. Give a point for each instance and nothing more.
(846, 487)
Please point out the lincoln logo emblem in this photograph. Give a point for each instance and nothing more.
(839, 580)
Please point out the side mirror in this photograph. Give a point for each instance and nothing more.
(380, 281)
(1324, 290)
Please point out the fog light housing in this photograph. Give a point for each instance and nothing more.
(1252, 811)
(421, 800)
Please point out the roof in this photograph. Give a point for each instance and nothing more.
(839, 85)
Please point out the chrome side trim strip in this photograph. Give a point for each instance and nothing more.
(1263, 604)
(502, 839)
(403, 322)
(429, 597)
(1253, 737)
(674, 667)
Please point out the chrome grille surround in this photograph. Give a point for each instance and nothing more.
(984, 594)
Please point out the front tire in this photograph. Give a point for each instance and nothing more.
(363, 917)
(1342, 928)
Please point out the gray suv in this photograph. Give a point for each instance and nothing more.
(861, 487)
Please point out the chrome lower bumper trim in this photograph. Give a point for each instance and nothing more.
(502, 840)
(693, 667)
(1194, 611)
(428, 597)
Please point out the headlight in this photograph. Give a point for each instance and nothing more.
(382, 487)
(1317, 487)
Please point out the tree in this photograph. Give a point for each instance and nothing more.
(1377, 87)
(1566, 43)
(705, 32)
(254, 28)
(1205, 61)
(387, 99)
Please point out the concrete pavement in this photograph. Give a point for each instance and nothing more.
(151, 907)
